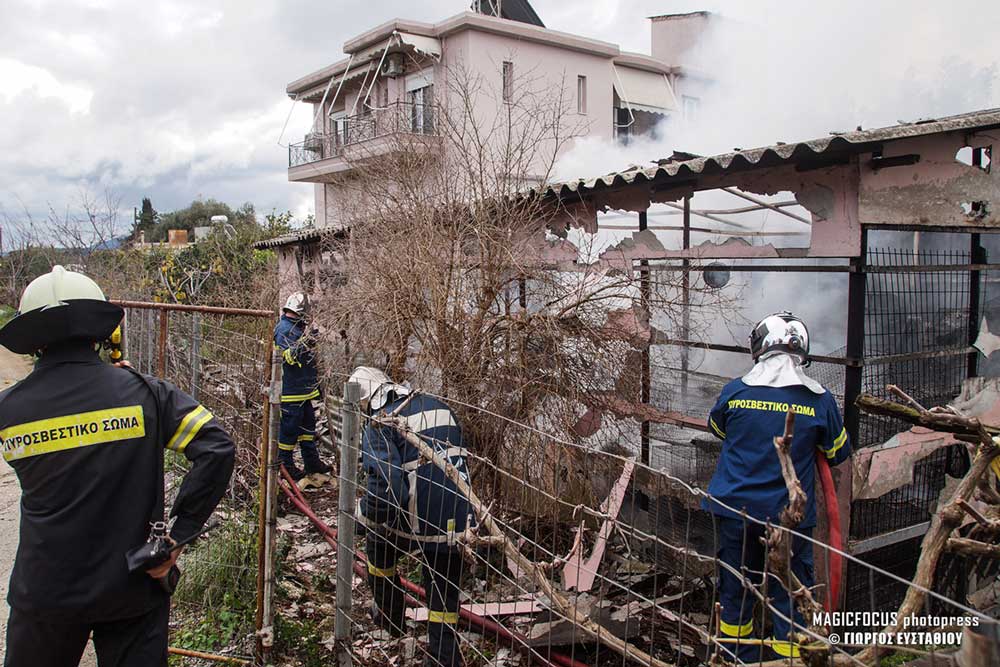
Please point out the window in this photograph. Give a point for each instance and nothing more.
(422, 110)
(508, 81)
(420, 96)
(690, 106)
(581, 94)
(338, 123)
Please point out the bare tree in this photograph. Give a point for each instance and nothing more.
(444, 280)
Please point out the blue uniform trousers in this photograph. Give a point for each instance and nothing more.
(298, 427)
(740, 547)
(442, 574)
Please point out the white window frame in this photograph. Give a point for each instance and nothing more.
(507, 84)
(690, 106)
(581, 95)
(338, 126)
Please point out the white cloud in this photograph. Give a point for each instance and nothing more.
(175, 98)
(18, 77)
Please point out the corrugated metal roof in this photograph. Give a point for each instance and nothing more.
(301, 236)
(778, 154)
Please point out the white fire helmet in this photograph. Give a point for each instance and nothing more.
(296, 302)
(376, 387)
(60, 305)
(780, 332)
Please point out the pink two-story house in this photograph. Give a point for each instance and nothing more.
(390, 82)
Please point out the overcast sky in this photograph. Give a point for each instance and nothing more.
(176, 99)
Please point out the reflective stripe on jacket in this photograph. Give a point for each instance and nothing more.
(298, 361)
(83, 438)
(748, 476)
(407, 495)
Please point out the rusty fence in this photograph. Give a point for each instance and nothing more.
(221, 357)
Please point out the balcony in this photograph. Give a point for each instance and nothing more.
(357, 137)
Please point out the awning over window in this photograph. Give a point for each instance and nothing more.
(426, 45)
(644, 91)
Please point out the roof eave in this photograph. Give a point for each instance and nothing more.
(643, 62)
(383, 32)
(526, 32)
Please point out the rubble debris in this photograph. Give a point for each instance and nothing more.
(581, 577)
(307, 551)
(517, 607)
(987, 342)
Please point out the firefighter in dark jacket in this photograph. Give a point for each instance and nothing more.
(749, 414)
(411, 505)
(86, 440)
(299, 386)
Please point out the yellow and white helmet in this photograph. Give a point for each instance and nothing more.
(376, 387)
(296, 303)
(58, 306)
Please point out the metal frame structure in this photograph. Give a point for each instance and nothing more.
(902, 178)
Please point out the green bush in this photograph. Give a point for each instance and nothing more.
(215, 601)
(6, 314)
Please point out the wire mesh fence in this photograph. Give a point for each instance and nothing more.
(223, 360)
(624, 573)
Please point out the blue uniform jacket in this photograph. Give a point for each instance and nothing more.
(411, 497)
(298, 368)
(747, 419)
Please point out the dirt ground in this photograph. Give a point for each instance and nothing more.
(13, 367)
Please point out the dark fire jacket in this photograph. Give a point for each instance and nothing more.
(84, 438)
(408, 496)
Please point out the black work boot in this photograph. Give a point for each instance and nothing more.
(317, 466)
(389, 608)
(289, 464)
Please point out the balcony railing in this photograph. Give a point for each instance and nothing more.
(397, 118)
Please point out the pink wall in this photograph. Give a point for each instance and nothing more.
(549, 67)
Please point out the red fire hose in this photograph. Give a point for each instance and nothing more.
(835, 538)
(330, 535)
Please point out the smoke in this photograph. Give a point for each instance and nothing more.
(792, 71)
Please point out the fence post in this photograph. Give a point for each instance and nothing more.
(273, 471)
(148, 352)
(345, 518)
(164, 314)
(264, 467)
(195, 354)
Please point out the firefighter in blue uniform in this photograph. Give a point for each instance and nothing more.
(748, 415)
(299, 386)
(86, 441)
(411, 505)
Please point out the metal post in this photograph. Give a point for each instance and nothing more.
(195, 354)
(645, 380)
(148, 352)
(163, 344)
(345, 518)
(853, 374)
(686, 304)
(977, 255)
(273, 472)
(263, 466)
